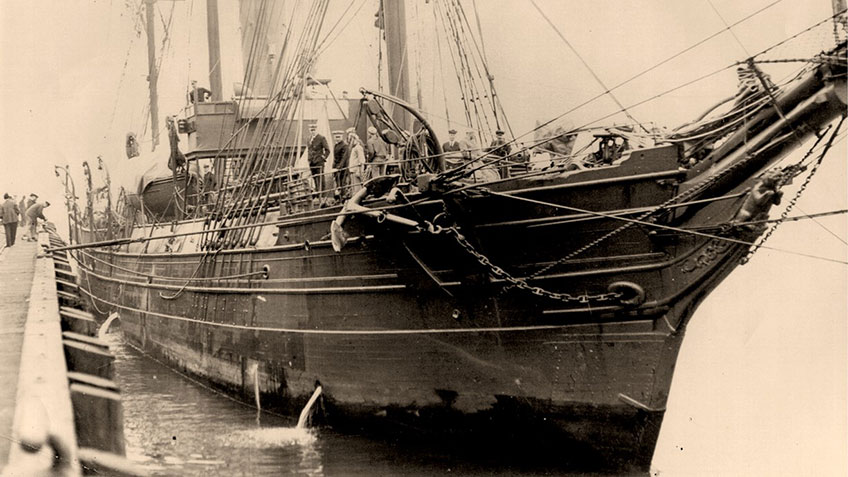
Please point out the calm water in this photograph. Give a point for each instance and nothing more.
(174, 426)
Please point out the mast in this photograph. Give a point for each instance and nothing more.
(215, 82)
(152, 73)
(394, 23)
(840, 18)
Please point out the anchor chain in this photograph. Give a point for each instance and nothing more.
(585, 298)
(797, 196)
(502, 274)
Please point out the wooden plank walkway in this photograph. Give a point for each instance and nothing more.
(17, 269)
(36, 407)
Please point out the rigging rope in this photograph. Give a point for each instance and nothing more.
(252, 183)
(483, 110)
(670, 58)
(328, 42)
(728, 28)
(589, 68)
(652, 225)
(693, 191)
(800, 191)
(441, 70)
(813, 218)
(258, 169)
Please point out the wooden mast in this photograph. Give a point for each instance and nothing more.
(152, 72)
(394, 23)
(215, 82)
(840, 16)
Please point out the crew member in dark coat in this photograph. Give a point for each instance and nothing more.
(341, 156)
(452, 144)
(452, 152)
(208, 178)
(198, 93)
(10, 212)
(318, 152)
(500, 149)
(209, 184)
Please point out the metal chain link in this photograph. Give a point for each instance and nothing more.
(585, 298)
(819, 59)
(797, 196)
(500, 273)
(565, 297)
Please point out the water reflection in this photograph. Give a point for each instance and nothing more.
(174, 426)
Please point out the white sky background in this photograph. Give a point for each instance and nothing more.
(760, 386)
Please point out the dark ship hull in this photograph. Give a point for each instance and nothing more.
(418, 333)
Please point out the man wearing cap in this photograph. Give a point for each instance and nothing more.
(24, 207)
(341, 154)
(499, 149)
(35, 212)
(318, 152)
(209, 183)
(451, 150)
(375, 154)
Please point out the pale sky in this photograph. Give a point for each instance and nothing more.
(760, 387)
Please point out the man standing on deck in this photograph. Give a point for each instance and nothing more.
(9, 212)
(209, 184)
(499, 149)
(318, 152)
(341, 155)
(356, 161)
(35, 212)
(452, 152)
(468, 145)
(375, 155)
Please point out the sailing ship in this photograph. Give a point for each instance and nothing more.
(539, 295)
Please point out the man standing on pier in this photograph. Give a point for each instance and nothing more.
(22, 208)
(10, 213)
(34, 213)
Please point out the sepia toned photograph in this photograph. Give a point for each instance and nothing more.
(423, 238)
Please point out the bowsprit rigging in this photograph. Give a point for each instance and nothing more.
(542, 287)
(483, 110)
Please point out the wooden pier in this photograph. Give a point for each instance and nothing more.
(17, 268)
(56, 416)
